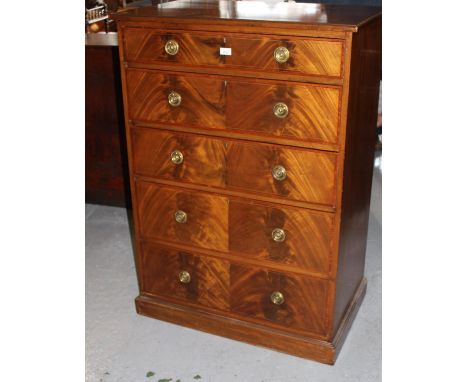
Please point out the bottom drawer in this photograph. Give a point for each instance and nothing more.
(292, 301)
(180, 275)
(297, 302)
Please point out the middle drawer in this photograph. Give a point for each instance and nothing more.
(290, 236)
(275, 171)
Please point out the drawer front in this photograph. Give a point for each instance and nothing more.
(161, 213)
(181, 157)
(300, 303)
(312, 112)
(234, 165)
(298, 174)
(320, 57)
(180, 275)
(292, 236)
(202, 102)
(277, 109)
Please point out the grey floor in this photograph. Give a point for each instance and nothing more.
(122, 346)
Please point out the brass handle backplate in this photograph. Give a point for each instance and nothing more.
(171, 47)
(281, 54)
(184, 277)
(278, 235)
(277, 298)
(177, 157)
(279, 173)
(180, 216)
(281, 110)
(174, 99)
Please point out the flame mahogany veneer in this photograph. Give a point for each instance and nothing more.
(251, 172)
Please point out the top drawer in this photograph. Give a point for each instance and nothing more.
(292, 55)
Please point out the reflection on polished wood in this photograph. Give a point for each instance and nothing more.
(330, 16)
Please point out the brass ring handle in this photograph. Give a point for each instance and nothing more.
(177, 157)
(277, 298)
(279, 173)
(281, 110)
(184, 277)
(171, 47)
(281, 54)
(180, 217)
(278, 235)
(174, 99)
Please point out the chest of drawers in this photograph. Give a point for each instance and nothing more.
(250, 130)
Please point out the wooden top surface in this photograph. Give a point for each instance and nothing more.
(348, 17)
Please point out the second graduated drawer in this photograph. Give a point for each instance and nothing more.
(272, 170)
(276, 109)
(279, 235)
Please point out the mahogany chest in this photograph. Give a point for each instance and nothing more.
(250, 130)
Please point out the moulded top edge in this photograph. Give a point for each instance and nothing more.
(341, 17)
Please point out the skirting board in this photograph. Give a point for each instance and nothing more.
(321, 351)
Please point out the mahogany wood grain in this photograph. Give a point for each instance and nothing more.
(358, 167)
(231, 164)
(313, 111)
(207, 216)
(304, 298)
(307, 56)
(159, 257)
(236, 105)
(308, 235)
(209, 277)
(203, 99)
(310, 174)
(204, 160)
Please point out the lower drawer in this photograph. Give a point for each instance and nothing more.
(252, 293)
(183, 276)
(293, 301)
(275, 234)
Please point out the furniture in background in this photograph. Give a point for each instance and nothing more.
(106, 157)
(250, 132)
